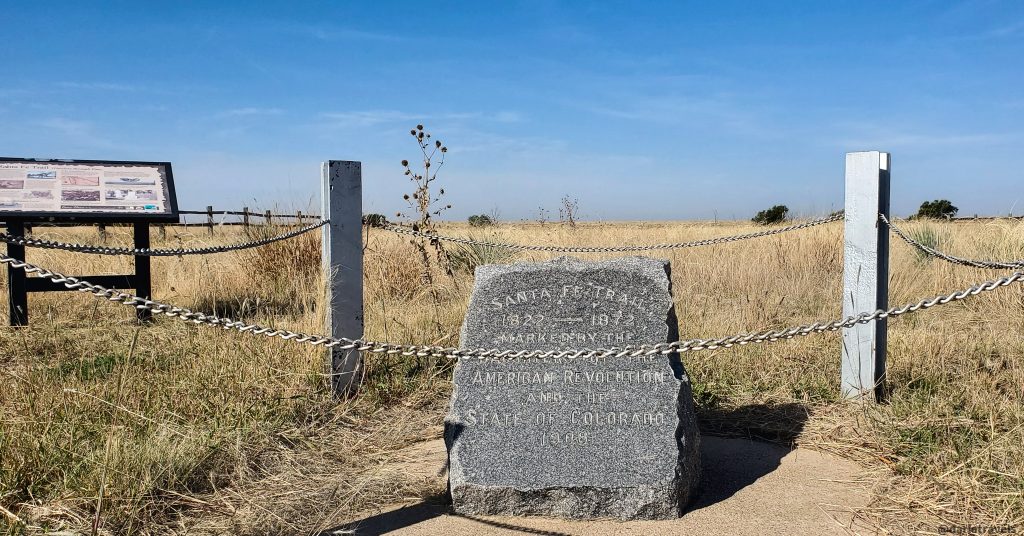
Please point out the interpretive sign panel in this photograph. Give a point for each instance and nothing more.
(585, 438)
(86, 190)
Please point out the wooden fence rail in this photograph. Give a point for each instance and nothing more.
(244, 213)
(247, 218)
(987, 218)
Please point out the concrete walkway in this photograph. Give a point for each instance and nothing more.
(750, 488)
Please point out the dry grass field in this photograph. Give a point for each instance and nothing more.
(110, 427)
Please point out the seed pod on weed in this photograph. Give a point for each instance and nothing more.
(405, 163)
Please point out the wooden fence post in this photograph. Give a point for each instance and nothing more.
(102, 230)
(245, 218)
(865, 273)
(267, 216)
(209, 218)
(298, 215)
(342, 200)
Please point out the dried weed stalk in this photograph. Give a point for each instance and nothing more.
(423, 206)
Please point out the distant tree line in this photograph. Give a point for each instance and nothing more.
(939, 209)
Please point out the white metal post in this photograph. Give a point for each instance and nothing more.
(343, 268)
(865, 272)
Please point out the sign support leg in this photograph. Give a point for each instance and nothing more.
(17, 297)
(143, 273)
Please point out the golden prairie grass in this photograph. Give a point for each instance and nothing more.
(114, 428)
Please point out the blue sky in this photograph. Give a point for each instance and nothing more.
(674, 110)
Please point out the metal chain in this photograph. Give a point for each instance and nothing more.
(342, 343)
(147, 252)
(608, 249)
(946, 257)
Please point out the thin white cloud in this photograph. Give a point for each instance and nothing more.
(75, 131)
(508, 117)
(251, 111)
(330, 33)
(665, 109)
(714, 113)
(888, 138)
(97, 86)
(369, 117)
(365, 118)
(67, 127)
(12, 93)
(1008, 30)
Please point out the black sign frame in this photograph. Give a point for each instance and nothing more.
(19, 284)
(93, 217)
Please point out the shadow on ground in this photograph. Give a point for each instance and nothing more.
(776, 423)
(731, 462)
(408, 516)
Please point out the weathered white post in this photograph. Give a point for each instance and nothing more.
(343, 268)
(865, 272)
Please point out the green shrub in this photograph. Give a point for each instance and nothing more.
(374, 220)
(776, 214)
(928, 236)
(467, 257)
(940, 209)
(480, 220)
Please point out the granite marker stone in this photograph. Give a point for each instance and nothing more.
(581, 438)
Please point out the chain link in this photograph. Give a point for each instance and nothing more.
(342, 343)
(607, 249)
(147, 252)
(946, 257)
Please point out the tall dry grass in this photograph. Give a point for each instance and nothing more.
(171, 428)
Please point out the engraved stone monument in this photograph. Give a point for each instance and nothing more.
(581, 438)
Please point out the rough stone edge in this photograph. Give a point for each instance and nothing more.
(583, 502)
(688, 467)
